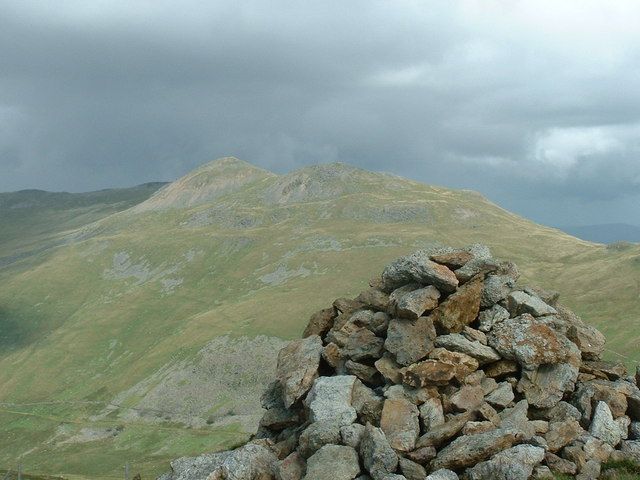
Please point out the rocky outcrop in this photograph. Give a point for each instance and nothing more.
(443, 368)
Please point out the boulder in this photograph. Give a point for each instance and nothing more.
(546, 385)
(501, 396)
(320, 322)
(293, 467)
(317, 435)
(412, 470)
(495, 289)
(443, 474)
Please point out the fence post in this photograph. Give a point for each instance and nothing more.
(126, 471)
(19, 471)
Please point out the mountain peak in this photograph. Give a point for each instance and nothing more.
(205, 184)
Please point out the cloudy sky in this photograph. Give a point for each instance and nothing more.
(535, 104)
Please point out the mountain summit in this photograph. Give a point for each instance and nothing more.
(205, 184)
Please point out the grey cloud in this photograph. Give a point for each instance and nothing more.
(138, 91)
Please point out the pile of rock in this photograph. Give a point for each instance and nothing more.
(442, 369)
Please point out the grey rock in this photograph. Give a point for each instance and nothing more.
(333, 462)
(589, 340)
(352, 434)
(494, 315)
(364, 372)
(412, 470)
(330, 400)
(363, 344)
(297, 367)
(590, 470)
(545, 386)
(469, 450)
(439, 434)
(458, 343)
(409, 340)
(603, 426)
(378, 458)
(634, 431)
(248, 463)
(443, 474)
(413, 304)
(418, 268)
(515, 463)
(519, 302)
(496, 288)
(530, 342)
(187, 468)
(560, 465)
(316, 435)
(542, 472)
(394, 476)
(516, 419)
(367, 403)
(501, 396)
(431, 413)
(561, 411)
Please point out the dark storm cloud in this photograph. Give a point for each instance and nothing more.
(534, 105)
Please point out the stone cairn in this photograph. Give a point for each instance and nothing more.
(442, 369)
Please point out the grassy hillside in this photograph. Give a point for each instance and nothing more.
(151, 334)
(32, 221)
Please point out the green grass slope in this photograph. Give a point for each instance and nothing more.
(151, 335)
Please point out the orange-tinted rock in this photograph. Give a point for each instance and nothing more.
(320, 322)
(400, 423)
(461, 308)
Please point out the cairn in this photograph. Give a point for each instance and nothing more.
(443, 369)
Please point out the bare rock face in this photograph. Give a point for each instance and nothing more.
(297, 368)
(444, 368)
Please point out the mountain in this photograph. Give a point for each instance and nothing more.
(606, 233)
(149, 333)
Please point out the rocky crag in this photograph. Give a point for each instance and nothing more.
(444, 368)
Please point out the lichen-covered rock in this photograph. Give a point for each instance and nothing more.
(410, 341)
(417, 267)
(297, 367)
(317, 435)
(412, 470)
(293, 467)
(530, 342)
(467, 451)
(494, 315)
(515, 463)
(415, 303)
(604, 427)
(333, 462)
(495, 289)
(320, 322)
(439, 369)
(458, 343)
(330, 400)
(520, 302)
(443, 474)
(378, 457)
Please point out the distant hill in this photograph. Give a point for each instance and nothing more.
(606, 233)
(31, 221)
(148, 333)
